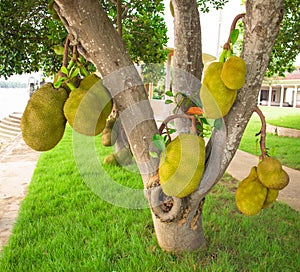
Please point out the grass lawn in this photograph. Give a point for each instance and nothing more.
(64, 226)
(282, 117)
(286, 149)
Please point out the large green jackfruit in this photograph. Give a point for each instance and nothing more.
(271, 174)
(234, 72)
(216, 98)
(251, 194)
(182, 165)
(43, 121)
(88, 107)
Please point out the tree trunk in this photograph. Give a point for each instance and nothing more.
(177, 221)
(187, 56)
(184, 232)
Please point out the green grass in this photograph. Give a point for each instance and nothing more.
(64, 226)
(286, 149)
(282, 117)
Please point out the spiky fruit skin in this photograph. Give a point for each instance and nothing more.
(87, 109)
(271, 174)
(216, 98)
(43, 121)
(271, 197)
(181, 165)
(234, 72)
(89, 81)
(251, 194)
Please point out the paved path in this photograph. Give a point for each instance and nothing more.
(17, 164)
(240, 166)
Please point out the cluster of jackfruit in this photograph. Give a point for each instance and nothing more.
(86, 109)
(261, 187)
(181, 165)
(220, 84)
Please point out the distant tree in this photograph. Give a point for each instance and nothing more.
(287, 45)
(28, 34)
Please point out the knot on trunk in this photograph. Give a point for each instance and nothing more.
(166, 208)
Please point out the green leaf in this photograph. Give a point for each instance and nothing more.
(169, 93)
(172, 130)
(58, 49)
(57, 84)
(234, 35)
(222, 57)
(218, 123)
(153, 154)
(64, 70)
(159, 142)
(75, 72)
(71, 86)
(168, 101)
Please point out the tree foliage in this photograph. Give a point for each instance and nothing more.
(287, 45)
(206, 5)
(29, 33)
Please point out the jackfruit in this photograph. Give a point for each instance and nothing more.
(234, 72)
(122, 158)
(43, 121)
(251, 194)
(181, 165)
(89, 81)
(216, 98)
(87, 109)
(110, 160)
(109, 134)
(271, 197)
(271, 174)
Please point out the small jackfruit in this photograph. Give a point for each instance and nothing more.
(216, 98)
(271, 197)
(181, 165)
(43, 121)
(271, 174)
(109, 134)
(87, 109)
(110, 160)
(89, 81)
(251, 194)
(234, 72)
(122, 158)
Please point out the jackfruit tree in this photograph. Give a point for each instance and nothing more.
(177, 181)
(177, 217)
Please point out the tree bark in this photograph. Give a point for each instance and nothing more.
(187, 56)
(180, 227)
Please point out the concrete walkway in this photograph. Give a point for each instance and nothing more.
(17, 164)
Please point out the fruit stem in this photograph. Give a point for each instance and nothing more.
(164, 124)
(262, 133)
(66, 50)
(233, 25)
